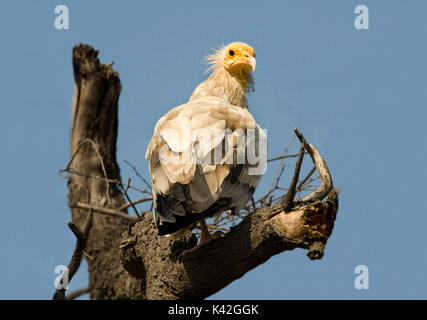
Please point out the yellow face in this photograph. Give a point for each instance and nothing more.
(240, 58)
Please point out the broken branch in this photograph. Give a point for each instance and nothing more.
(288, 202)
(321, 166)
(76, 259)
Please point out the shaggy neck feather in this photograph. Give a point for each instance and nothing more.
(225, 85)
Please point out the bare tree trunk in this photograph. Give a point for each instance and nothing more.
(126, 257)
(93, 151)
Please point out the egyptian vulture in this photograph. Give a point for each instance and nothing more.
(198, 155)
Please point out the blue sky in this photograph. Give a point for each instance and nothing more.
(358, 95)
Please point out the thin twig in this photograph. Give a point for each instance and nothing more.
(100, 160)
(253, 202)
(87, 255)
(113, 212)
(303, 181)
(77, 293)
(279, 166)
(73, 171)
(137, 173)
(284, 157)
(127, 205)
(125, 192)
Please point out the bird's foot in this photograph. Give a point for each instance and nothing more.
(204, 241)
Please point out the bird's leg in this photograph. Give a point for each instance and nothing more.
(205, 237)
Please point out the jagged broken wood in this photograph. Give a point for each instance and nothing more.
(93, 174)
(129, 260)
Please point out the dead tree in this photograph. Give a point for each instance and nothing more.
(126, 257)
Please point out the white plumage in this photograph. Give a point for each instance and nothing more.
(198, 158)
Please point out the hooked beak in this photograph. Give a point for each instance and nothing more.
(252, 63)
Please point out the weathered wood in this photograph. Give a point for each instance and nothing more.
(197, 275)
(288, 201)
(93, 153)
(321, 167)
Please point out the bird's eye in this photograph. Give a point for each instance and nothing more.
(231, 52)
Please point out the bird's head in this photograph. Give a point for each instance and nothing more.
(238, 59)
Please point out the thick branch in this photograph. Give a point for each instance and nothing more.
(197, 275)
(265, 232)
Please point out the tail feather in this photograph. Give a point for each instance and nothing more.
(182, 221)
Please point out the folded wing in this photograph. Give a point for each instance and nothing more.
(198, 162)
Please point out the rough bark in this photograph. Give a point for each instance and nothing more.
(171, 275)
(128, 260)
(93, 153)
